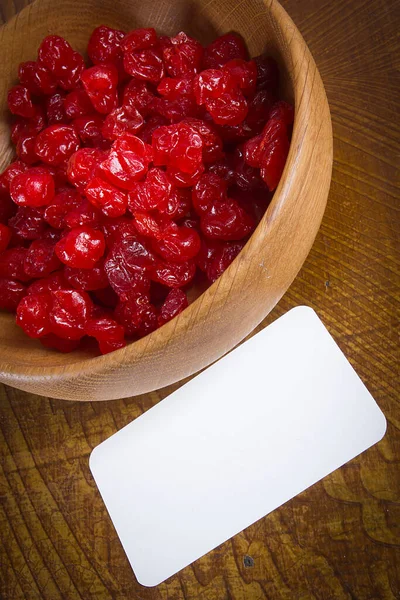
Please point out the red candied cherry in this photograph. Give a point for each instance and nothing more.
(84, 214)
(175, 303)
(267, 73)
(243, 73)
(283, 111)
(77, 104)
(28, 223)
(174, 275)
(184, 55)
(125, 281)
(139, 39)
(100, 83)
(132, 312)
(259, 110)
(148, 322)
(40, 259)
(18, 128)
(133, 255)
(12, 264)
(211, 83)
(55, 281)
(56, 143)
(223, 49)
(178, 244)
(104, 329)
(137, 96)
(127, 161)
(55, 111)
(5, 236)
(36, 78)
(183, 180)
(105, 44)
(55, 52)
(82, 166)
(230, 108)
(226, 220)
(212, 143)
(163, 140)
(61, 60)
(152, 226)
(106, 197)
(11, 293)
(121, 121)
(154, 193)
(33, 188)
(179, 203)
(81, 247)
(19, 102)
(71, 77)
(26, 149)
(89, 129)
(173, 88)
(179, 146)
(209, 189)
(87, 279)
(208, 251)
(222, 258)
(251, 151)
(69, 313)
(33, 315)
(274, 148)
(146, 65)
(127, 267)
(57, 343)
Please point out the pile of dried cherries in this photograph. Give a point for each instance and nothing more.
(137, 179)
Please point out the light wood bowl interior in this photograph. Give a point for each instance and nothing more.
(236, 303)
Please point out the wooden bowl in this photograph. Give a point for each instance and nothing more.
(230, 309)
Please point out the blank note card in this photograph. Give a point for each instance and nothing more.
(258, 427)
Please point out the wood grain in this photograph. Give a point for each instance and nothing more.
(234, 305)
(339, 540)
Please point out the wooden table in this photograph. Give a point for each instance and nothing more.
(338, 540)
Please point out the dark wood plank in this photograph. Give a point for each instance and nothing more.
(338, 540)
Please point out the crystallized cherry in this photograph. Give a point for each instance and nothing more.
(34, 188)
(138, 175)
(33, 314)
(69, 312)
(105, 44)
(56, 143)
(174, 304)
(81, 247)
(100, 83)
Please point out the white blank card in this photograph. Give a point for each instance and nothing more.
(255, 429)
